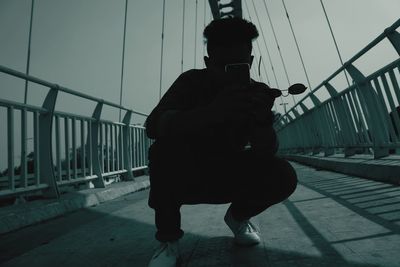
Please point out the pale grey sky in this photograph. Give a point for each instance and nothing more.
(78, 44)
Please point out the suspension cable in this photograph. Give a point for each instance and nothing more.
(265, 44)
(277, 45)
(265, 70)
(334, 40)
(162, 48)
(123, 59)
(297, 45)
(258, 45)
(276, 39)
(195, 36)
(262, 62)
(183, 34)
(261, 29)
(29, 53)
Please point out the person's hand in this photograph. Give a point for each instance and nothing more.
(262, 95)
(243, 104)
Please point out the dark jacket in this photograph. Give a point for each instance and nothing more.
(188, 133)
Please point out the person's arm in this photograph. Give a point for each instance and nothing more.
(174, 115)
(264, 137)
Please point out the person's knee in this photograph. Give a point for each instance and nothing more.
(288, 176)
(283, 174)
(293, 182)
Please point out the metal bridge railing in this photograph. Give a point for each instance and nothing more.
(68, 149)
(363, 118)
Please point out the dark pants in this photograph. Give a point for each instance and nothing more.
(250, 181)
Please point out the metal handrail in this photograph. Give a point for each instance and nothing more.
(377, 40)
(63, 89)
(362, 118)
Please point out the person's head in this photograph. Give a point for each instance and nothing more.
(229, 40)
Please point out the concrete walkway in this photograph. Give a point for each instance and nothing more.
(331, 220)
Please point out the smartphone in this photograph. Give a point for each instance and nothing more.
(238, 73)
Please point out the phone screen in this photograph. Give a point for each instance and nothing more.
(238, 73)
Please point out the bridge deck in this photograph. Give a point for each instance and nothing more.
(331, 220)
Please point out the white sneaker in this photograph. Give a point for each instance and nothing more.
(167, 255)
(245, 232)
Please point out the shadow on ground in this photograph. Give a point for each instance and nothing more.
(120, 233)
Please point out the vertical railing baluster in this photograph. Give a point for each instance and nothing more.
(358, 117)
(137, 147)
(121, 150)
(36, 155)
(101, 147)
(364, 113)
(10, 141)
(133, 147)
(142, 146)
(89, 137)
(106, 128)
(23, 179)
(116, 148)
(67, 154)
(58, 149)
(74, 152)
(330, 144)
(83, 149)
(331, 124)
(335, 134)
(112, 147)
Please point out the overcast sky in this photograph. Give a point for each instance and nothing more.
(78, 44)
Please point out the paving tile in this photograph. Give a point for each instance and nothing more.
(391, 216)
(382, 258)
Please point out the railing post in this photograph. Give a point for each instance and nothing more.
(127, 146)
(93, 139)
(45, 144)
(394, 38)
(368, 98)
(343, 116)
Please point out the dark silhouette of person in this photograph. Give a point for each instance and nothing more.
(215, 144)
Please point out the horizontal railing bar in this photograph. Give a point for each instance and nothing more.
(62, 114)
(351, 60)
(122, 124)
(111, 122)
(4, 179)
(139, 168)
(384, 69)
(114, 172)
(8, 192)
(63, 89)
(10, 103)
(77, 180)
(137, 126)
